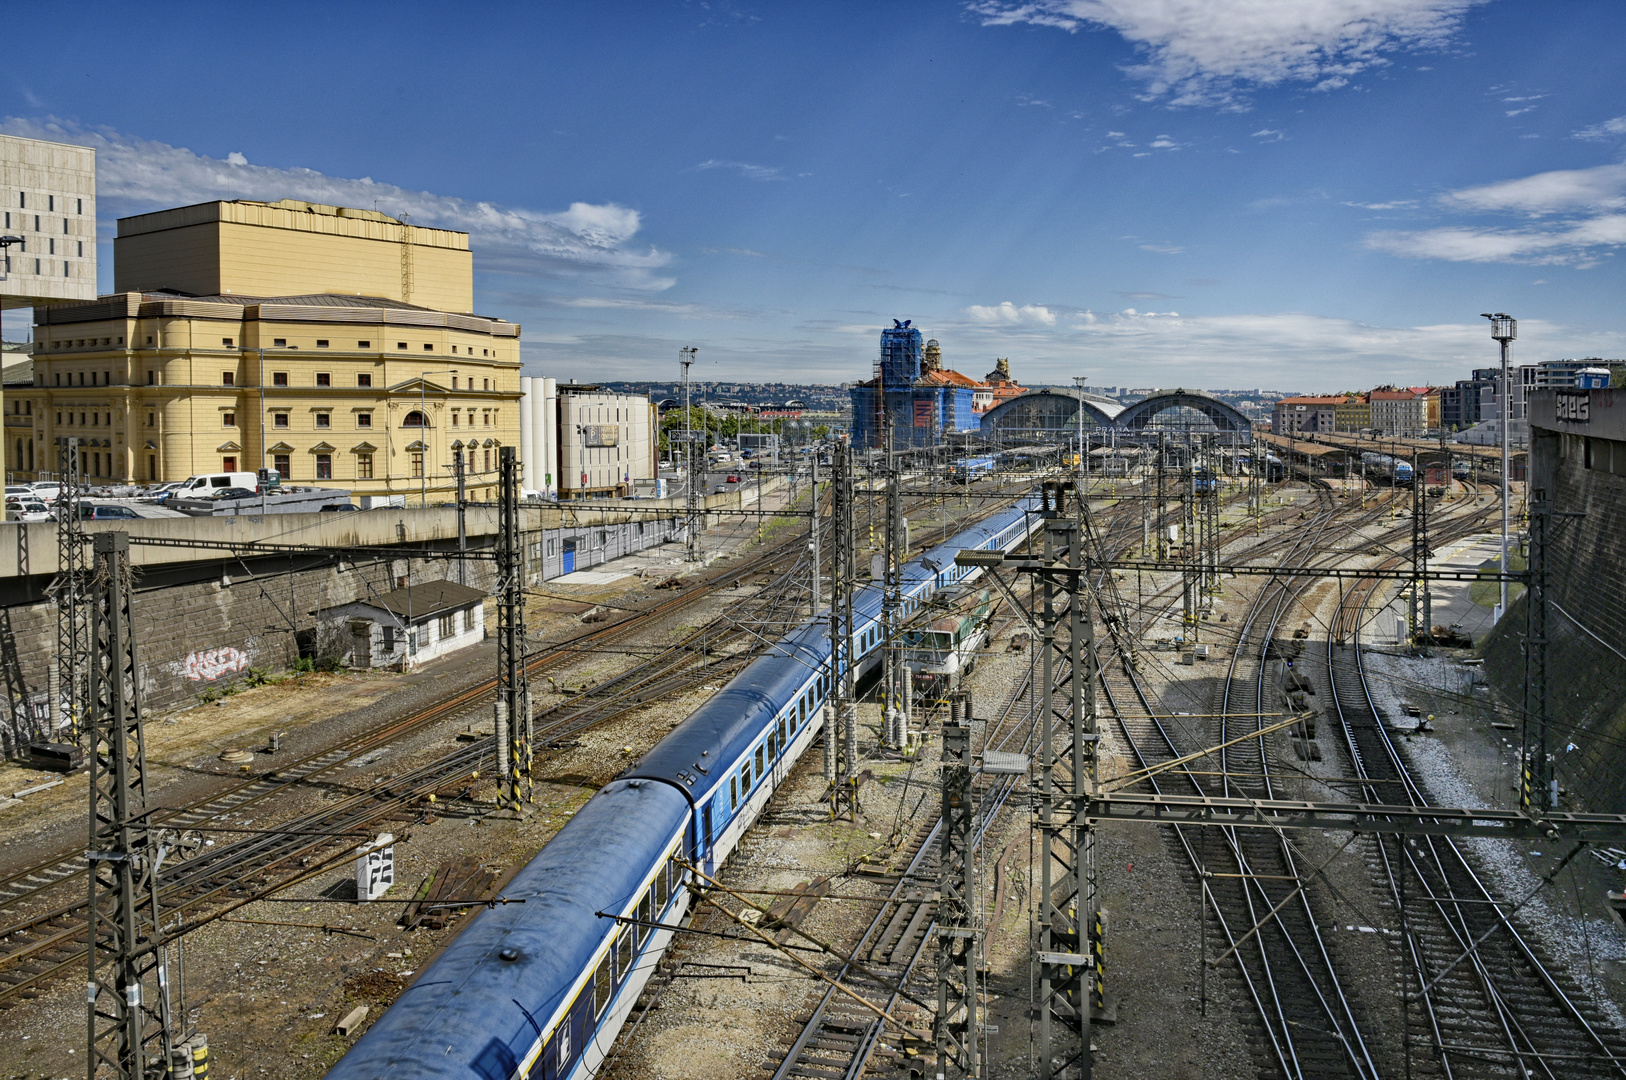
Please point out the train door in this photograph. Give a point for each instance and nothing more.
(570, 557)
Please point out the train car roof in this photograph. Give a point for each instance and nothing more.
(596, 862)
(696, 755)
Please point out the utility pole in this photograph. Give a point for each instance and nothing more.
(815, 587)
(462, 524)
(841, 731)
(691, 531)
(892, 688)
(513, 709)
(128, 989)
(957, 1029)
(1504, 329)
(1421, 614)
(1538, 788)
(70, 590)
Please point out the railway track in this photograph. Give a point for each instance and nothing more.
(49, 940)
(1483, 1000)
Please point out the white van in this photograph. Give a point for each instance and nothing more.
(201, 487)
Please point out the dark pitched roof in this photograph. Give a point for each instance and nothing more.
(420, 601)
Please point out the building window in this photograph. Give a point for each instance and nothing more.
(50, 247)
(448, 625)
(321, 343)
(323, 378)
(364, 344)
(279, 419)
(364, 381)
(485, 384)
(324, 466)
(81, 244)
(454, 382)
(487, 461)
(364, 420)
(454, 417)
(427, 347)
(227, 378)
(281, 463)
(279, 343)
(364, 466)
(228, 464)
(417, 464)
(324, 419)
(228, 419)
(400, 344)
(149, 419)
(226, 341)
(279, 378)
(79, 205)
(50, 202)
(414, 419)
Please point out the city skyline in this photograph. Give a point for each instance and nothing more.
(1317, 195)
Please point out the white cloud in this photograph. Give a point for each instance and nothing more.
(1393, 204)
(1007, 312)
(1571, 217)
(1198, 52)
(1579, 243)
(1292, 350)
(1602, 187)
(1269, 135)
(763, 173)
(1521, 112)
(1163, 249)
(1609, 129)
(588, 240)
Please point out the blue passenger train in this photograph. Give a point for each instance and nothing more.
(1393, 470)
(539, 989)
(971, 469)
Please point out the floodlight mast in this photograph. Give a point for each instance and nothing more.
(1504, 328)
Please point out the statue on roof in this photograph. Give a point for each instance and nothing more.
(1001, 375)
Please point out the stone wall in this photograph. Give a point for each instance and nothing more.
(1587, 622)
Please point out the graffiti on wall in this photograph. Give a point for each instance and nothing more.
(213, 663)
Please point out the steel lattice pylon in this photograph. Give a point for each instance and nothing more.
(841, 722)
(1066, 934)
(513, 712)
(70, 591)
(959, 906)
(128, 994)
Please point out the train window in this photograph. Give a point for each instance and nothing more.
(733, 793)
(745, 777)
(782, 726)
(759, 761)
(623, 954)
(561, 1047)
(773, 745)
(646, 913)
(662, 892)
(801, 709)
(601, 986)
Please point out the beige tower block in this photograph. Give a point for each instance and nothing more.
(291, 248)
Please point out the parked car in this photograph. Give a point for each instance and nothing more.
(18, 491)
(234, 493)
(106, 512)
(206, 486)
(339, 508)
(733, 478)
(46, 490)
(33, 510)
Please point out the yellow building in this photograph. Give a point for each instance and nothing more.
(346, 384)
(1352, 413)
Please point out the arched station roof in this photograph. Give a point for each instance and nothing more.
(1225, 416)
(1056, 411)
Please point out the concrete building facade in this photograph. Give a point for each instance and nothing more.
(1403, 413)
(350, 387)
(606, 442)
(1306, 414)
(49, 193)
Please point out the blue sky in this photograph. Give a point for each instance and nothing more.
(1320, 194)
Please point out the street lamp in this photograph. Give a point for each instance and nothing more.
(1079, 381)
(423, 425)
(1504, 328)
(263, 467)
